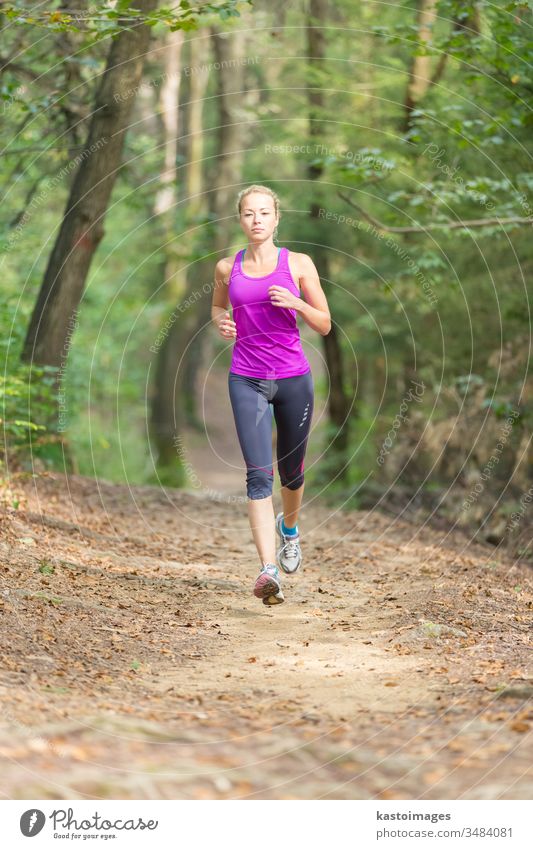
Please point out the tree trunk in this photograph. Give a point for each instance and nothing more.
(420, 71)
(222, 197)
(169, 416)
(194, 182)
(181, 355)
(54, 316)
(166, 197)
(338, 402)
(169, 410)
(165, 414)
(193, 178)
(226, 46)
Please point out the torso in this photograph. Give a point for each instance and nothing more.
(262, 271)
(268, 343)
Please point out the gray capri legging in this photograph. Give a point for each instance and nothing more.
(254, 401)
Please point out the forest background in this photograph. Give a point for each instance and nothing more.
(398, 138)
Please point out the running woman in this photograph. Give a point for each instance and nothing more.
(270, 375)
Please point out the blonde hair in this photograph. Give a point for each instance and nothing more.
(264, 190)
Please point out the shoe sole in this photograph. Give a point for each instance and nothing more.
(271, 600)
(266, 586)
(283, 541)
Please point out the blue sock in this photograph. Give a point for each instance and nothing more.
(288, 531)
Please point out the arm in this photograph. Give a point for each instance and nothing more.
(219, 305)
(314, 310)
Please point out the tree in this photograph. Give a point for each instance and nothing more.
(54, 316)
(164, 409)
(181, 353)
(420, 71)
(338, 404)
(81, 230)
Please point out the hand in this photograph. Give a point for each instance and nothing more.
(281, 297)
(227, 327)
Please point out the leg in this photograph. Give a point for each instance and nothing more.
(293, 410)
(253, 421)
(261, 516)
(292, 501)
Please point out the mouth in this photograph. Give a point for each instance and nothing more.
(256, 229)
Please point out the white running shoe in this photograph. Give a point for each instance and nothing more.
(289, 553)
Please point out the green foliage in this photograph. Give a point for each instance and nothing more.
(27, 393)
(440, 303)
(107, 19)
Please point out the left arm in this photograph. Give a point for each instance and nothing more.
(314, 310)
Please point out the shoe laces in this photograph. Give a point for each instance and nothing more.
(291, 548)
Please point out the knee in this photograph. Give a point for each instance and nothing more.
(259, 483)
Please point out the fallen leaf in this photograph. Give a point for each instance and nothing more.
(520, 726)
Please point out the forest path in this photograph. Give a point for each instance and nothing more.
(136, 662)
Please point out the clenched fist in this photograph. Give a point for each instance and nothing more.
(227, 327)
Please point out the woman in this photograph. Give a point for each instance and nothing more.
(270, 375)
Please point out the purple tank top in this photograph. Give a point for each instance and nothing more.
(268, 341)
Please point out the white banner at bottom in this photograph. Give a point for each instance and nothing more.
(268, 823)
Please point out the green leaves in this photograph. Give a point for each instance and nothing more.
(107, 20)
(501, 407)
(26, 392)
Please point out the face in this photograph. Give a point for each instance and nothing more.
(258, 216)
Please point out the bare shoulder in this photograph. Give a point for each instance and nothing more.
(301, 264)
(223, 268)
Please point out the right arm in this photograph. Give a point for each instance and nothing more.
(220, 303)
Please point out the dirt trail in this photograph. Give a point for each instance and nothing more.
(137, 664)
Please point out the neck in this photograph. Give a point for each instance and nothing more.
(261, 253)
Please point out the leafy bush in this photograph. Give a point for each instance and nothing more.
(28, 395)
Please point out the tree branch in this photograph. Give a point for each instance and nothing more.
(449, 225)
